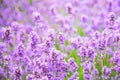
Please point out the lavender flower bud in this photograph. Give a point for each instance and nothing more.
(17, 73)
(73, 65)
(69, 8)
(74, 76)
(106, 72)
(61, 38)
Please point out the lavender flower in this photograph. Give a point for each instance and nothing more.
(61, 40)
(73, 65)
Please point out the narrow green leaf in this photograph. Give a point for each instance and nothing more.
(1, 1)
(78, 61)
(69, 75)
(98, 66)
(57, 45)
(30, 1)
(24, 77)
(113, 73)
(80, 31)
(67, 42)
(106, 61)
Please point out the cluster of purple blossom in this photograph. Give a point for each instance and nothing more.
(59, 40)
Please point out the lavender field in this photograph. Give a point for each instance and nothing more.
(59, 39)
